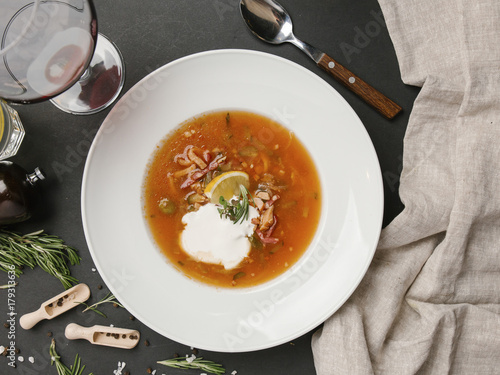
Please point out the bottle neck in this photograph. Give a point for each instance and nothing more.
(37, 175)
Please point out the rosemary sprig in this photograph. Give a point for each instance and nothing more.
(38, 249)
(236, 211)
(109, 298)
(8, 286)
(62, 369)
(197, 364)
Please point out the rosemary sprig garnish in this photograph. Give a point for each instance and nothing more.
(38, 249)
(109, 298)
(236, 211)
(62, 369)
(196, 364)
(8, 286)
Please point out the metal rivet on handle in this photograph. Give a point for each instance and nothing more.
(331, 65)
(352, 79)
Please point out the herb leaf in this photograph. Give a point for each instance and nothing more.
(236, 211)
(8, 286)
(62, 369)
(109, 298)
(38, 249)
(196, 363)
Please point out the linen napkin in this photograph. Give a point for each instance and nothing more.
(430, 301)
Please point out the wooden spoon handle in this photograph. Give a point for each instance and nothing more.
(29, 320)
(375, 98)
(74, 331)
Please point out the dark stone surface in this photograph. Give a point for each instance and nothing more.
(150, 34)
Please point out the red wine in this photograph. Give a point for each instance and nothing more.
(52, 54)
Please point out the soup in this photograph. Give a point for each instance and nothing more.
(271, 198)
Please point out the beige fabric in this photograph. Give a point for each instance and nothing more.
(430, 302)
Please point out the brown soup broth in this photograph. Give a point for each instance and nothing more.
(266, 151)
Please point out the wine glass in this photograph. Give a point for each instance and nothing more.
(50, 49)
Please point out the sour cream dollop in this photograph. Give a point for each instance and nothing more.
(210, 238)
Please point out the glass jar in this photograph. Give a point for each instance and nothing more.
(11, 131)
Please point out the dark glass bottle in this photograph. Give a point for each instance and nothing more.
(18, 192)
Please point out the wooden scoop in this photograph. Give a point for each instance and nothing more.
(56, 305)
(104, 335)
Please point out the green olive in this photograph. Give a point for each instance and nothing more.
(167, 206)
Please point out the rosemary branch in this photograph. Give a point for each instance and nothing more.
(62, 369)
(236, 210)
(8, 286)
(196, 364)
(38, 249)
(109, 298)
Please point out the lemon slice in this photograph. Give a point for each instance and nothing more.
(226, 185)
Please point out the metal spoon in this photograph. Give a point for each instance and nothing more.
(270, 22)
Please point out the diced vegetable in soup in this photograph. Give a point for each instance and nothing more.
(232, 198)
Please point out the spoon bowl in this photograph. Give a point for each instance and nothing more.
(270, 22)
(267, 21)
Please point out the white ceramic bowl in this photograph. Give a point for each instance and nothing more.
(232, 320)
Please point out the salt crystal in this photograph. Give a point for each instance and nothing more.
(190, 359)
(31, 359)
(93, 270)
(234, 372)
(2, 348)
(20, 358)
(118, 371)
